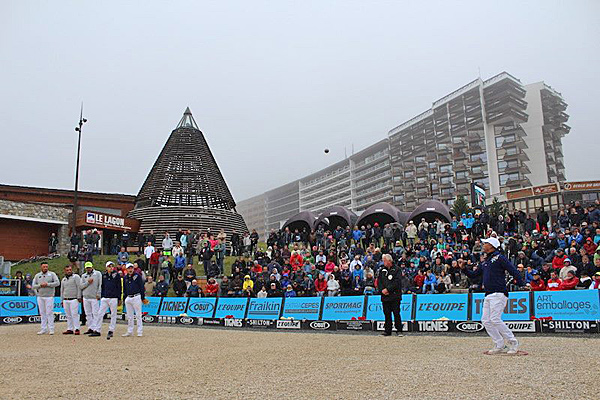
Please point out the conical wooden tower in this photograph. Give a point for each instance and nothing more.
(185, 188)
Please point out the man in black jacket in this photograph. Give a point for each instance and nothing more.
(390, 286)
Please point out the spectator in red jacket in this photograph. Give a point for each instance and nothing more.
(537, 284)
(558, 260)
(212, 288)
(554, 282)
(320, 285)
(590, 247)
(419, 280)
(570, 282)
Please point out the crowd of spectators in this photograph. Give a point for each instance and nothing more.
(559, 252)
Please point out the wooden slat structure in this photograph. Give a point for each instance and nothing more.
(185, 188)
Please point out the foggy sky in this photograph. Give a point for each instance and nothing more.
(270, 83)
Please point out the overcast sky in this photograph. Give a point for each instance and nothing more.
(270, 83)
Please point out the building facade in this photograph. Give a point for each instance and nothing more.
(498, 133)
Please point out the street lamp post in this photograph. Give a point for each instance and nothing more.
(77, 129)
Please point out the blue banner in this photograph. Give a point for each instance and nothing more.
(201, 307)
(581, 305)
(344, 307)
(173, 306)
(11, 306)
(302, 308)
(58, 306)
(151, 308)
(375, 308)
(234, 306)
(517, 307)
(267, 308)
(437, 306)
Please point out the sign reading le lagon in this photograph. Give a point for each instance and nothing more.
(102, 220)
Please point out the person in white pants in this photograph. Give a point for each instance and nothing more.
(70, 294)
(494, 269)
(133, 295)
(110, 299)
(43, 285)
(91, 290)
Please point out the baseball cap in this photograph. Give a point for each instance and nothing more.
(567, 260)
(129, 265)
(493, 241)
(109, 263)
(88, 265)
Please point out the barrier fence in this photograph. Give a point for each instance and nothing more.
(559, 311)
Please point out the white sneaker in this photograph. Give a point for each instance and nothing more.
(51, 333)
(127, 334)
(42, 332)
(140, 335)
(513, 347)
(496, 350)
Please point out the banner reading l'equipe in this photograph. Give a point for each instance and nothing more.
(441, 306)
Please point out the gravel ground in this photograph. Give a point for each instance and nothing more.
(191, 363)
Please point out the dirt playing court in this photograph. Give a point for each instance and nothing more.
(189, 363)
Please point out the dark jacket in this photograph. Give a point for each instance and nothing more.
(133, 284)
(111, 285)
(390, 279)
(494, 277)
(179, 287)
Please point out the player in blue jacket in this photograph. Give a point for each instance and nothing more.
(496, 295)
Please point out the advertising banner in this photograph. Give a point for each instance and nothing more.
(355, 325)
(187, 320)
(201, 307)
(375, 308)
(583, 305)
(319, 325)
(267, 308)
(380, 326)
(302, 308)
(436, 306)
(517, 307)
(233, 322)
(152, 307)
(569, 326)
(173, 306)
(344, 307)
(18, 306)
(260, 323)
(234, 306)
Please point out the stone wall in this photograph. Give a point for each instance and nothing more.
(41, 211)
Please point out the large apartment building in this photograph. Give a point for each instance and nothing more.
(498, 133)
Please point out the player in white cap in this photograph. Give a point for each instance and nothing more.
(496, 295)
(110, 298)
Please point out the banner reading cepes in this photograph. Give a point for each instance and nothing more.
(302, 308)
(517, 307)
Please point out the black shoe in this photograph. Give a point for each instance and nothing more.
(88, 332)
(95, 334)
(110, 334)
(385, 334)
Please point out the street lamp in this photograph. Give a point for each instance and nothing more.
(77, 129)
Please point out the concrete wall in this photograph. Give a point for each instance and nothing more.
(535, 137)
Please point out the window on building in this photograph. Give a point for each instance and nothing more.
(434, 186)
(462, 174)
(447, 191)
(502, 140)
(421, 179)
(431, 165)
(433, 175)
(446, 168)
(446, 179)
(442, 146)
(506, 177)
(420, 159)
(478, 156)
(409, 174)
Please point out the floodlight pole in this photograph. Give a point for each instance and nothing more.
(77, 129)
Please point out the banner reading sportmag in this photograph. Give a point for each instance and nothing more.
(236, 307)
(581, 305)
(302, 308)
(173, 306)
(201, 307)
(264, 308)
(344, 308)
(18, 306)
(437, 306)
(517, 307)
(375, 308)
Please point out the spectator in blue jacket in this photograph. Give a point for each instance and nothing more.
(430, 283)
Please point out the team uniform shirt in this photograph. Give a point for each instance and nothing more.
(494, 276)
(50, 278)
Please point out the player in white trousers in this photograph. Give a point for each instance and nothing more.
(43, 284)
(110, 299)
(70, 294)
(496, 295)
(133, 296)
(91, 290)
